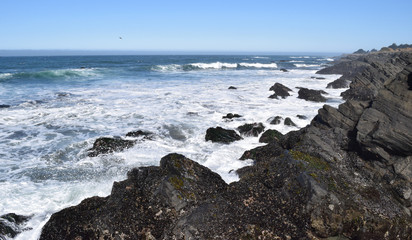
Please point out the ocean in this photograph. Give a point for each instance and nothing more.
(52, 109)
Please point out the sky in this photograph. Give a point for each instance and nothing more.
(223, 25)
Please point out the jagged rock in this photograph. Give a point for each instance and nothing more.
(221, 135)
(289, 122)
(311, 95)
(106, 145)
(270, 135)
(232, 88)
(231, 116)
(384, 128)
(280, 91)
(252, 129)
(140, 134)
(144, 206)
(4, 106)
(276, 120)
(338, 83)
(302, 117)
(12, 224)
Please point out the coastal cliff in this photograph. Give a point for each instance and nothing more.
(347, 175)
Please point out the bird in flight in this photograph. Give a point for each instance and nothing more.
(120, 38)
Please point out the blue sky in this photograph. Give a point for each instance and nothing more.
(258, 25)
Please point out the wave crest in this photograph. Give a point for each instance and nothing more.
(52, 74)
(214, 65)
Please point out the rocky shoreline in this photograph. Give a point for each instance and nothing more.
(347, 175)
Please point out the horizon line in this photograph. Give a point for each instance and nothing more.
(83, 52)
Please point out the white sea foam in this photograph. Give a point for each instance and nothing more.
(261, 57)
(5, 75)
(215, 65)
(259, 65)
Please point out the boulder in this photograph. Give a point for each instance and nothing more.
(311, 95)
(221, 135)
(339, 83)
(106, 145)
(271, 135)
(252, 129)
(144, 206)
(280, 91)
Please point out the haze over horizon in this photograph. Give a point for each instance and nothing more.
(213, 26)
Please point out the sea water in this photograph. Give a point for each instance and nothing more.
(54, 108)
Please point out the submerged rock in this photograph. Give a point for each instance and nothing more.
(276, 120)
(289, 122)
(106, 145)
(4, 106)
(232, 88)
(12, 224)
(302, 117)
(221, 135)
(280, 91)
(231, 116)
(283, 70)
(311, 95)
(140, 134)
(252, 129)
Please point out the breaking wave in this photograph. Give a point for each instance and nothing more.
(214, 65)
(52, 74)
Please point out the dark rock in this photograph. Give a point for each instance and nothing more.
(339, 83)
(302, 117)
(140, 134)
(12, 224)
(271, 135)
(318, 78)
(221, 135)
(283, 60)
(252, 129)
(384, 128)
(231, 116)
(4, 106)
(106, 145)
(276, 120)
(232, 88)
(144, 206)
(289, 122)
(283, 70)
(280, 91)
(263, 153)
(311, 95)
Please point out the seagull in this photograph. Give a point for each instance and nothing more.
(120, 38)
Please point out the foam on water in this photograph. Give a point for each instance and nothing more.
(45, 135)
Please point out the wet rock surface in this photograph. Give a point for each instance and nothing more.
(251, 129)
(311, 95)
(280, 91)
(221, 135)
(347, 175)
(12, 224)
(106, 145)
